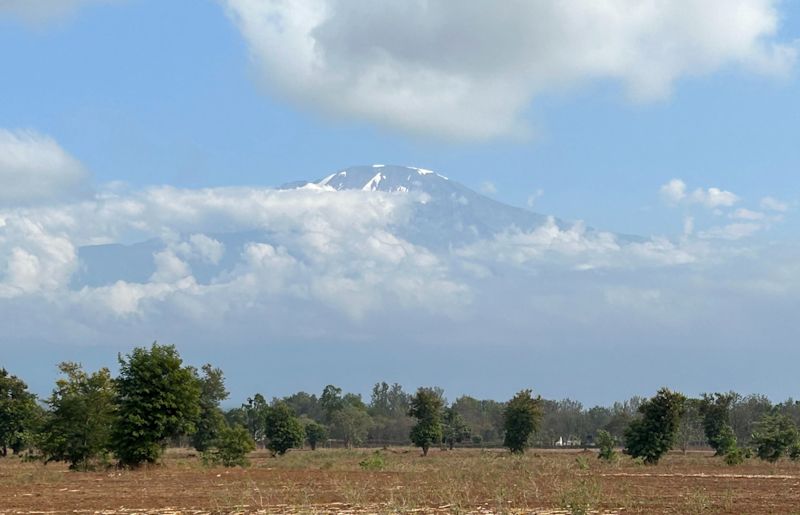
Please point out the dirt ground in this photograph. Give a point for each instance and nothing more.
(400, 481)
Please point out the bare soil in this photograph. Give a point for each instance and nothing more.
(460, 481)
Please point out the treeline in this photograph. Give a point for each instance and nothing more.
(93, 419)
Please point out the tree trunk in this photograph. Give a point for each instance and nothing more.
(424, 450)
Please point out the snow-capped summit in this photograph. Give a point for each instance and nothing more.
(451, 213)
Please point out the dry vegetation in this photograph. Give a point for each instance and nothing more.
(460, 481)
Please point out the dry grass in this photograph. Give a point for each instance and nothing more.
(461, 481)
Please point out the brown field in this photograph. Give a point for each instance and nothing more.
(460, 481)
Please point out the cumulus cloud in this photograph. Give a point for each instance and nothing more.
(39, 11)
(469, 70)
(34, 168)
(675, 192)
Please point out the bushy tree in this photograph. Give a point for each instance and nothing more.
(426, 406)
(522, 417)
(351, 425)
(652, 435)
(282, 429)
(774, 437)
(18, 413)
(315, 433)
(157, 398)
(715, 410)
(455, 429)
(230, 447)
(78, 427)
(606, 443)
(211, 420)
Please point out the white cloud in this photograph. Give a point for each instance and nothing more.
(747, 214)
(773, 204)
(469, 70)
(674, 192)
(40, 11)
(735, 231)
(34, 168)
(488, 188)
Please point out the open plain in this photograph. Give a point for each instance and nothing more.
(398, 480)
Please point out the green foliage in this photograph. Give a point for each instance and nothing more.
(315, 433)
(254, 413)
(715, 410)
(18, 413)
(522, 417)
(455, 430)
(230, 448)
(157, 398)
(374, 461)
(652, 435)
(283, 429)
(331, 401)
(78, 428)
(211, 420)
(426, 406)
(775, 436)
(606, 443)
(351, 425)
(735, 456)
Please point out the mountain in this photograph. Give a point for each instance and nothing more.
(445, 215)
(450, 215)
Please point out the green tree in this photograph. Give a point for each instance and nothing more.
(282, 429)
(774, 437)
(331, 401)
(606, 444)
(426, 407)
(351, 425)
(690, 429)
(18, 413)
(254, 413)
(715, 410)
(157, 398)
(78, 428)
(652, 435)
(211, 420)
(231, 447)
(315, 433)
(522, 417)
(455, 429)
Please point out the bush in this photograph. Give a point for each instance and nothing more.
(775, 436)
(735, 456)
(375, 461)
(230, 448)
(283, 429)
(606, 444)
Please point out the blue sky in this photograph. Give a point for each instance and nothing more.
(186, 93)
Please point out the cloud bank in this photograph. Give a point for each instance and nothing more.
(469, 70)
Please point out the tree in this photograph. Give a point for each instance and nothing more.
(78, 428)
(211, 420)
(282, 429)
(455, 430)
(18, 413)
(652, 435)
(331, 401)
(254, 413)
(230, 448)
(315, 433)
(606, 444)
(305, 404)
(426, 407)
(351, 425)
(522, 417)
(157, 398)
(774, 437)
(690, 429)
(715, 410)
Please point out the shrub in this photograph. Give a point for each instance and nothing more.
(230, 448)
(651, 436)
(606, 444)
(283, 429)
(374, 461)
(775, 436)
